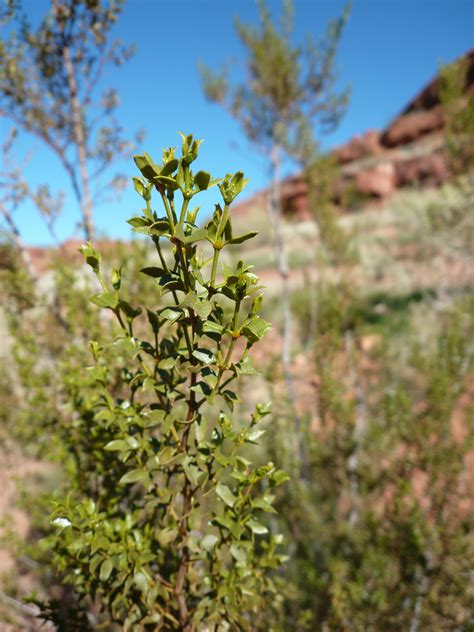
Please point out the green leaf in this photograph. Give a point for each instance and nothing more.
(231, 186)
(196, 235)
(230, 276)
(223, 521)
(241, 238)
(128, 345)
(210, 379)
(153, 320)
(256, 304)
(166, 455)
(238, 182)
(116, 445)
(169, 183)
(116, 278)
(210, 327)
(160, 227)
(202, 179)
(264, 503)
(200, 431)
(129, 311)
(100, 542)
(153, 272)
(171, 314)
(203, 308)
(167, 535)
(279, 477)
(263, 409)
(253, 434)
(256, 329)
(148, 384)
(245, 367)
(256, 527)
(139, 187)
(228, 231)
(132, 442)
(92, 256)
(171, 281)
(204, 355)
(141, 582)
(189, 300)
(238, 553)
(98, 373)
(225, 494)
(106, 569)
(169, 167)
(146, 165)
(209, 542)
(134, 476)
(154, 417)
(193, 473)
(106, 299)
(167, 363)
(152, 618)
(138, 222)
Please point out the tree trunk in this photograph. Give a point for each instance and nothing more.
(275, 212)
(312, 283)
(360, 428)
(423, 590)
(86, 199)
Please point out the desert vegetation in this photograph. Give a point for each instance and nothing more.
(257, 413)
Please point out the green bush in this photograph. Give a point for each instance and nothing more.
(380, 529)
(163, 525)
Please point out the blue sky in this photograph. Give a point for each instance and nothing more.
(389, 50)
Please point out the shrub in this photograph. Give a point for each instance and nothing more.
(163, 523)
(380, 531)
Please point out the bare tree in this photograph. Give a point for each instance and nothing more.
(49, 88)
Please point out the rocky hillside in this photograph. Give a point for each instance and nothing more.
(375, 164)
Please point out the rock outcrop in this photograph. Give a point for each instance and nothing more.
(409, 127)
(379, 181)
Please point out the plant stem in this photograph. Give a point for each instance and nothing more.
(215, 259)
(217, 240)
(169, 214)
(184, 266)
(184, 208)
(101, 281)
(230, 349)
(222, 221)
(183, 523)
(175, 297)
(156, 241)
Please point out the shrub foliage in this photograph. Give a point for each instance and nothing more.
(163, 524)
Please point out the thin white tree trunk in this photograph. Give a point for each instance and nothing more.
(313, 301)
(360, 428)
(281, 256)
(86, 198)
(415, 622)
